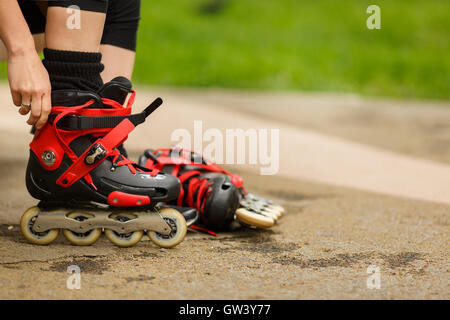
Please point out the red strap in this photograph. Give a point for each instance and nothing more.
(79, 168)
(203, 230)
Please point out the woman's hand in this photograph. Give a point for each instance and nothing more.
(30, 86)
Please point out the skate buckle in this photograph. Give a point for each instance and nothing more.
(95, 154)
(48, 157)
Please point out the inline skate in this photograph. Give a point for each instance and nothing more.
(218, 195)
(79, 170)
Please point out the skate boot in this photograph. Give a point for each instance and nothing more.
(218, 195)
(87, 185)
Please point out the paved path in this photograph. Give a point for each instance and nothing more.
(336, 226)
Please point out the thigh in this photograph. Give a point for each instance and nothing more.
(35, 11)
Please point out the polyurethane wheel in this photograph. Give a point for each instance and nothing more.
(271, 210)
(83, 238)
(178, 225)
(265, 209)
(264, 203)
(279, 209)
(270, 213)
(26, 224)
(254, 219)
(124, 240)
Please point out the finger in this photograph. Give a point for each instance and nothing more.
(25, 103)
(24, 110)
(36, 103)
(45, 111)
(25, 99)
(16, 97)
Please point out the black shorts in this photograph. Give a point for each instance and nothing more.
(122, 17)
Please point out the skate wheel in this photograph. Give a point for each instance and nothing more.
(270, 213)
(26, 224)
(265, 211)
(254, 219)
(277, 208)
(263, 205)
(124, 240)
(179, 229)
(83, 238)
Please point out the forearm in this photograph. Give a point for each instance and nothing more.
(14, 30)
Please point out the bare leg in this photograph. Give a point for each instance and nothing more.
(59, 36)
(117, 62)
(85, 39)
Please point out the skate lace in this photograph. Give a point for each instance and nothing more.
(131, 164)
(123, 162)
(197, 190)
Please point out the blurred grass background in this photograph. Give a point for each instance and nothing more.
(321, 45)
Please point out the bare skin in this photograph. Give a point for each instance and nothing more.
(28, 78)
(110, 56)
(85, 39)
(39, 43)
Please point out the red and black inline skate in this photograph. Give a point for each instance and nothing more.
(218, 195)
(84, 180)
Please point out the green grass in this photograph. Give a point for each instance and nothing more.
(320, 45)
